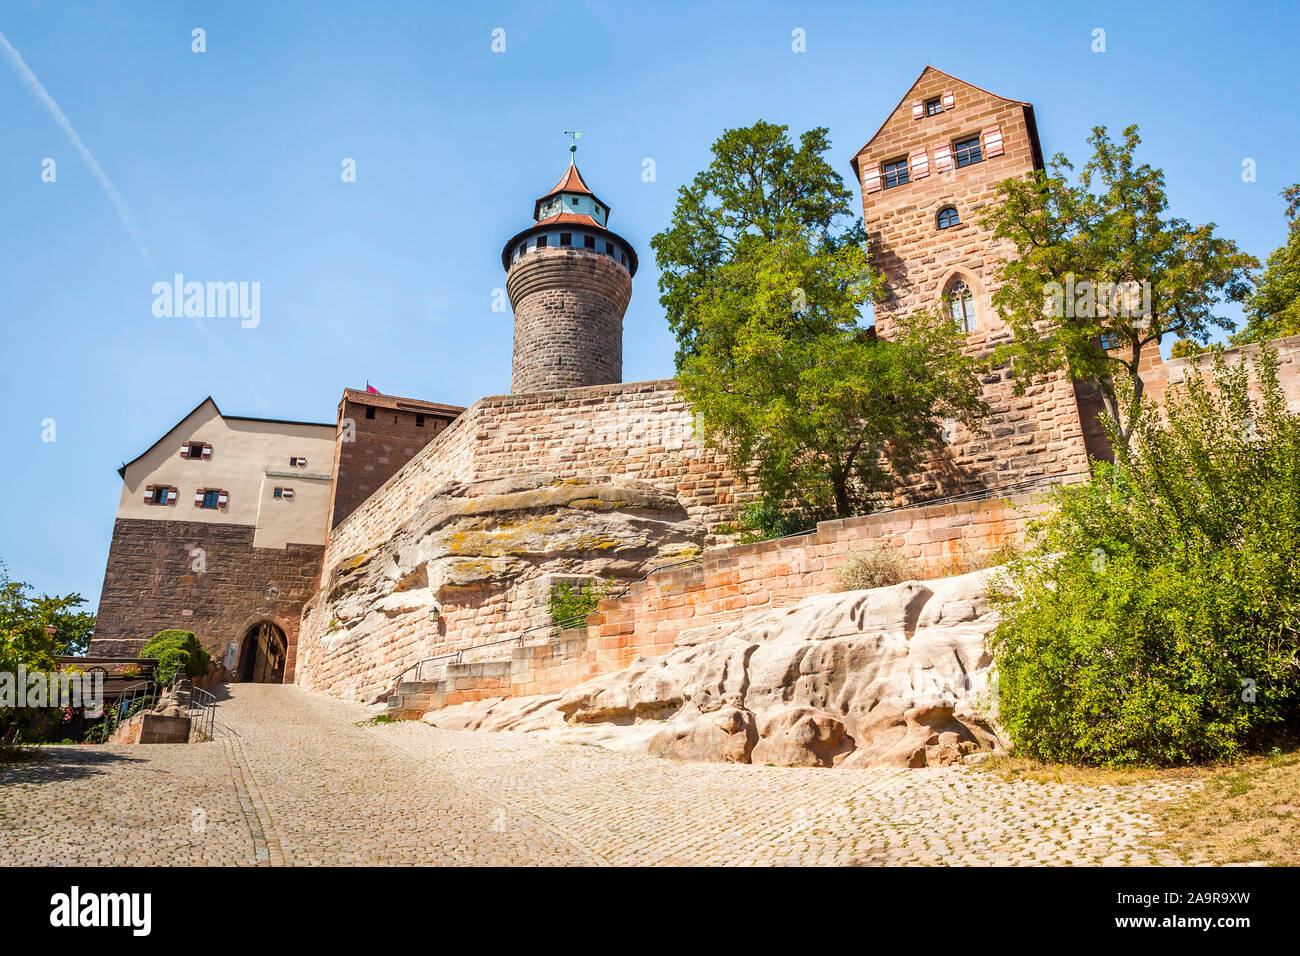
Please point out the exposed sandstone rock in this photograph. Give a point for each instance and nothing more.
(894, 676)
(502, 535)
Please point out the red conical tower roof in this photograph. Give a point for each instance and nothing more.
(572, 184)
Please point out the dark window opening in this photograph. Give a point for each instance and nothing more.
(566, 238)
(589, 242)
(160, 495)
(370, 411)
(967, 151)
(196, 451)
(419, 421)
(933, 107)
(541, 242)
(895, 173)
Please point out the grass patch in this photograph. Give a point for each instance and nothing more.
(1246, 813)
(376, 720)
(1013, 769)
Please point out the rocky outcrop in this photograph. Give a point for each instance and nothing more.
(893, 676)
(494, 545)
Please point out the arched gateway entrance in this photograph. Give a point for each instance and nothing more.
(262, 654)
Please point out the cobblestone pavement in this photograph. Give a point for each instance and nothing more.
(293, 779)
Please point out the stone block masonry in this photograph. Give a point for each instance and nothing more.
(642, 430)
(568, 306)
(725, 585)
(386, 432)
(151, 584)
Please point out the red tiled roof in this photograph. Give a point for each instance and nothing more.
(380, 400)
(576, 218)
(570, 182)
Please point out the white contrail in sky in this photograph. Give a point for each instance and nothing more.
(28, 77)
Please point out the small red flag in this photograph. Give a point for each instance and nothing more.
(371, 389)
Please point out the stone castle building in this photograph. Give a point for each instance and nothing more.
(337, 556)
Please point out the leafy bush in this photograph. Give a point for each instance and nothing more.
(570, 600)
(178, 653)
(765, 519)
(874, 567)
(1155, 618)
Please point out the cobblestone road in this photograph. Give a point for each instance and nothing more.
(293, 779)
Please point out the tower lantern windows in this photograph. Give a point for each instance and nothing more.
(566, 238)
(589, 242)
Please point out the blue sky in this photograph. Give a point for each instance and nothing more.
(228, 167)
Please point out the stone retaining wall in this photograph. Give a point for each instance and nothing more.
(728, 582)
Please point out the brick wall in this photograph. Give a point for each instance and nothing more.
(933, 539)
(151, 584)
(379, 447)
(1176, 371)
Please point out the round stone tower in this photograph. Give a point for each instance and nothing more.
(569, 279)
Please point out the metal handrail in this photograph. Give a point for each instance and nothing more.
(456, 657)
(205, 704)
(130, 696)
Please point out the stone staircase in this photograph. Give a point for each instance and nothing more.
(508, 670)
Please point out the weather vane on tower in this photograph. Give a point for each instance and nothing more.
(574, 136)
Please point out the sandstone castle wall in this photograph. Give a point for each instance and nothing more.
(151, 584)
(641, 430)
(726, 584)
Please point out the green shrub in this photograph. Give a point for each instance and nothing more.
(571, 600)
(1154, 619)
(178, 653)
(763, 520)
(873, 567)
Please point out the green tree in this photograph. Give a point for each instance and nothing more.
(764, 283)
(1100, 259)
(1273, 309)
(1156, 616)
(36, 631)
(757, 187)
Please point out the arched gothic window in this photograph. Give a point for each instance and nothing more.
(962, 302)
